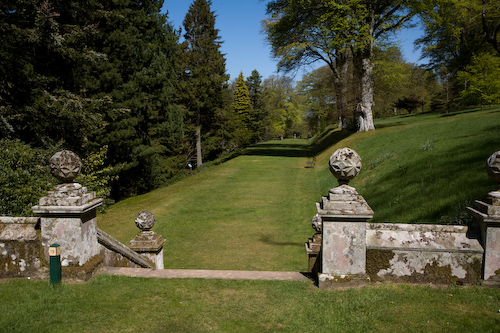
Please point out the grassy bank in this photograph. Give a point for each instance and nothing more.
(253, 212)
(120, 304)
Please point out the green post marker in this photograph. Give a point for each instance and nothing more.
(55, 263)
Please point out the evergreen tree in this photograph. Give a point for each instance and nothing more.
(204, 82)
(43, 46)
(143, 124)
(242, 108)
(259, 121)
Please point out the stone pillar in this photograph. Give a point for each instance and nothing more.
(147, 242)
(487, 214)
(343, 215)
(68, 213)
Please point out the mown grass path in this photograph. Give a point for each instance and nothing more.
(250, 213)
(253, 212)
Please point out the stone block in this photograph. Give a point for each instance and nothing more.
(422, 253)
(21, 251)
(149, 244)
(343, 248)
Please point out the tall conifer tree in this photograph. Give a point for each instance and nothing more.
(259, 116)
(142, 121)
(205, 80)
(242, 108)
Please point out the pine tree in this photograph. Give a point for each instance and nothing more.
(143, 123)
(259, 118)
(204, 79)
(43, 46)
(242, 107)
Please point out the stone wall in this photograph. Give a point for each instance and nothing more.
(21, 250)
(348, 251)
(422, 253)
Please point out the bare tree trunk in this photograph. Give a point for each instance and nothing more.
(199, 160)
(363, 88)
(365, 116)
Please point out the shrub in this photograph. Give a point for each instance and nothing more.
(24, 177)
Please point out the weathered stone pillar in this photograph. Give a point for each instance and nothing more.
(487, 214)
(68, 213)
(343, 215)
(147, 242)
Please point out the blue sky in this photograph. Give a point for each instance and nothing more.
(244, 46)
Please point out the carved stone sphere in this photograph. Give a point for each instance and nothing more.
(317, 223)
(145, 220)
(345, 164)
(65, 166)
(493, 166)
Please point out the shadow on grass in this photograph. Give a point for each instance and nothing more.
(398, 123)
(491, 109)
(419, 184)
(298, 150)
(267, 240)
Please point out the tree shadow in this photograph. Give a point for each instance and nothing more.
(269, 241)
(298, 150)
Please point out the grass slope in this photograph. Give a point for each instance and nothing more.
(253, 212)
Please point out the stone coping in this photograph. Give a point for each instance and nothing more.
(326, 217)
(20, 229)
(45, 210)
(493, 221)
(19, 220)
(417, 227)
(420, 237)
(204, 274)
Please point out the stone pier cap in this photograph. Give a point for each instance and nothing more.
(67, 197)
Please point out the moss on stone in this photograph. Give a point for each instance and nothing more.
(436, 273)
(377, 260)
(84, 272)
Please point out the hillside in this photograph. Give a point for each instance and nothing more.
(253, 212)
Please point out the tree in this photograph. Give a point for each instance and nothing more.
(285, 107)
(24, 177)
(459, 36)
(391, 79)
(301, 32)
(43, 46)
(259, 116)
(319, 98)
(80, 75)
(481, 80)
(204, 78)
(242, 110)
(452, 33)
(143, 122)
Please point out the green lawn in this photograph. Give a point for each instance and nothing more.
(250, 213)
(122, 304)
(253, 212)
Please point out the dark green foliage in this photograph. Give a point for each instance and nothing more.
(408, 103)
(143, 124)
(259, 123)
(41, 50)
(204, 82)
(85, 75)
(24, 177)
(242, 112)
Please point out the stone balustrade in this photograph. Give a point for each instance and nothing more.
(347, 250)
